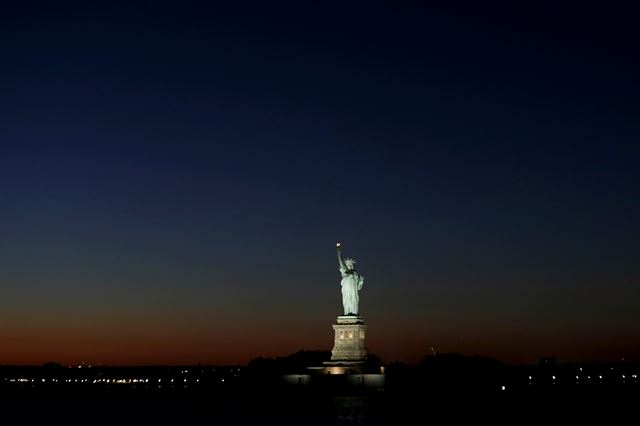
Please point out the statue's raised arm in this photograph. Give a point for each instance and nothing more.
(340, 261)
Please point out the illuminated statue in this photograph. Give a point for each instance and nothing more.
(351, 283)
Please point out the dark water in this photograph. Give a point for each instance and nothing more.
(264, 406)
(109, 407)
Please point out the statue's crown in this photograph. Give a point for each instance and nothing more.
(350, 260)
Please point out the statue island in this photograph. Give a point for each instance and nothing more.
(349, 347)
(348, 365)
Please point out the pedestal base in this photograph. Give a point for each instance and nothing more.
(349, 342)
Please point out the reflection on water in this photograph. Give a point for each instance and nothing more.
(352, 410)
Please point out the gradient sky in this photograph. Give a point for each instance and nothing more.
(174, 177)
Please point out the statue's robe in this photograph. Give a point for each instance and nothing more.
(351, 283)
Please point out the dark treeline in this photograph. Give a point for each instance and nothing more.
(296, 363)
(443, 372)
(450, 372)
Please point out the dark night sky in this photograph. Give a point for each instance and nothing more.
(174, 176)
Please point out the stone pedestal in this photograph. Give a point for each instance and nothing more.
(349, 342)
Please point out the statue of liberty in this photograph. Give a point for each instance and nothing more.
(351, 283)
